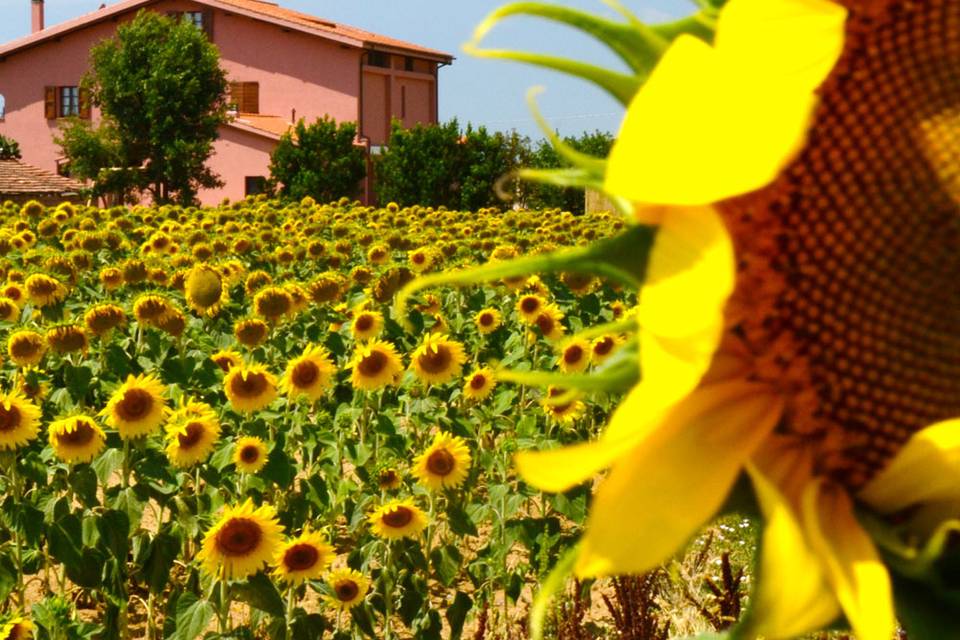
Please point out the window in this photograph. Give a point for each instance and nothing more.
(67, 101)
(202, 20)
(408, 63)
(3, 107)
(254, 185)
(194, 17)
(378, 59)
(244, 97)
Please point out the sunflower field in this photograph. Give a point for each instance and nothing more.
(213, 423)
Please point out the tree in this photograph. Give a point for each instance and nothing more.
(161, 90)
(319, 160)
(95, 154)
(9, 149)
(544, 156)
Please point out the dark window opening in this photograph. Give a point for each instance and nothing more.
(408, 64)
(378, 59)
(194, 17)
(403, 101)
(69, 102)
(3, 107)
(254, 185)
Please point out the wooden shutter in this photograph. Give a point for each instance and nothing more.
(84, 100)
(251, 97)
(50, 102)
(208, 23)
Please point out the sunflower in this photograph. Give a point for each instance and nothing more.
(14, 292)
(603, 347)
(389, 479)
(251, 332)
(138, 407)
(111, 278)
(348, 588)
(398, 519)
(305, 557)
(378, 254)
(273, 303)
(250, 454)
(800, 319)
(26, 348)
(574, 356)
(173, 323)
(445, 464)
(205, 290)
(242, 541)
(16, 628)
(529, 307)
(9, 311)
(67, 338)
(438, 359)
(43, 290)
(487, 320)
(19, 420)
(548, 322)
(420, 260)
(191, 434)
(374, 365)
(309, 375)
(227, 359)
(366, 325)
(100, 319)
(430, 306)
(560, 409)
(76, 439)
(151, 308)
(250, 388)
(479, 384)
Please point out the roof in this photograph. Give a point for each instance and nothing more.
(20, 178)
(256, 9)
(262, 125)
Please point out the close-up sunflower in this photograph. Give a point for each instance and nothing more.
(67, 338)
(487, 320)
(138, 407)
(479, 384)
(244, 540)
(26, 348)
(398, 519)
(17, 628)
(348, 588)
(374, 365)
(575, 355)
(438, 359)
(306, 557)
(445, 463)
(250, 454)
(308, 375)
(76, 438)
(19, 420)
(250, 387)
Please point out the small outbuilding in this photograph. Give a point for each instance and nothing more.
(21, 182)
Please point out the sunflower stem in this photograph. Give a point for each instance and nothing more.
(388, 594)
(125, 471)
(18, 543)
(289, 613)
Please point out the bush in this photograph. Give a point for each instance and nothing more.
(9, 149)
(544, 156)
(319, 160)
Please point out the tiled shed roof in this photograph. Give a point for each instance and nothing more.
(19, 178)
(268, 126)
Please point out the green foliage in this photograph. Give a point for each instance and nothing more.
(96, 155)
(319, 160)
(161, 89)
(545, 156)
(442, 165)
(9, 149)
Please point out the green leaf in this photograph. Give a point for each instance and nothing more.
(114, 529)
(446, 562)
(77, 380)
(260, 593)
(926, 613)
(457, 614)
(460, 521)
(279, 468)
(128, 501)
(193, 616)
(83, 481)
(550, 587)
(164, 549)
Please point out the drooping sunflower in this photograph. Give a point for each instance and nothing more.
(67, 338)
(100, 319)
(251, 332)
(151, 308)
(398, 519)
(243, 541)
(191, 434)
(438, 359)
(479, 384)
(487, 320)
(250, 454)
(374, 365)
(305, 557)
(348, 588)
(111, 278)
(273, 303)
(227, 359)
(250, 388)
(26, 348)
(137, 408)
(76, 438)
(9, 311)
(445, 464)
(308, 375)
(799, 319)
(575, 356)
(19, 420)
(366, 324)
(205, 290)
(17, 628)
(43, 290)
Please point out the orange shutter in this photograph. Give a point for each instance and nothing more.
(251, 97)
(50, 102)
(84, 104)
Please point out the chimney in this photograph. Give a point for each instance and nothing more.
(36, 16)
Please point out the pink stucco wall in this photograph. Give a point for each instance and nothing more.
(297, 73)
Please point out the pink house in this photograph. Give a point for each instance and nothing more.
(283, 65)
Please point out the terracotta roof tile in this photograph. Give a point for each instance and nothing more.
(20, 178)
(273, 125)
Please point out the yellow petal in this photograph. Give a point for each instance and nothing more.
(792, 595)
(926, 469)
(662, 491)
(854, 569)
(715, 122)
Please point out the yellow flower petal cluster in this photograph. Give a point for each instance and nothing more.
(445, 464)
(138, 407)
(244, 540)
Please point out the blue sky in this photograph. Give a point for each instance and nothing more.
(484, 92)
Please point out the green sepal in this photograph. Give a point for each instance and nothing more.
(619, 376)
(551, 586)
(701, 25)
